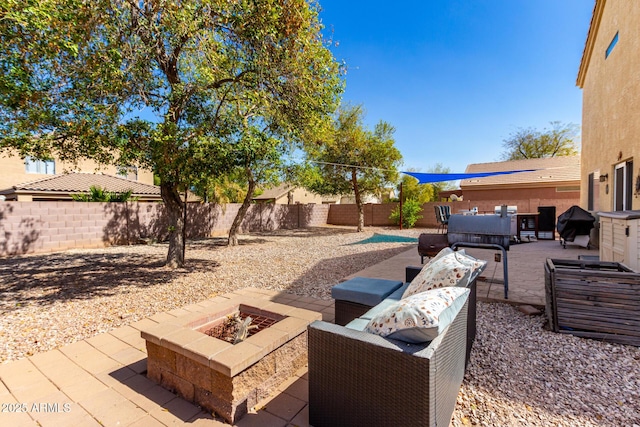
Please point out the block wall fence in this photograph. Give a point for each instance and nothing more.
(36, 227)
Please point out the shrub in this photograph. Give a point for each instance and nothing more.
(411, 210)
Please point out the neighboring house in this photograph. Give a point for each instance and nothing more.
(61, 187)
(16, 170)
(366, 198)
(610, 83)
(288, 194)
(555, 182)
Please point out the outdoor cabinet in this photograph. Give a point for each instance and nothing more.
(546, 222)
(619, 238)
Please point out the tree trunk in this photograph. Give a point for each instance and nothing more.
(356, 192)
(175, 206)
(246, 203)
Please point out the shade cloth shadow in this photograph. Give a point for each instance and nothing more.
(387, 238)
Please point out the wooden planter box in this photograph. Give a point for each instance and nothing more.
(593, 299)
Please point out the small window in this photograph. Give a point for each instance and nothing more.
(611, 46)
(46, 167)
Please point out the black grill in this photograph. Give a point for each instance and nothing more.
(483, 232)
(484, 229)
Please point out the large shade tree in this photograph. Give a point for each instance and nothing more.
(159, 83)
(353, 159)
(560, 140)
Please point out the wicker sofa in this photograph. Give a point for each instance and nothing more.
(362, 379)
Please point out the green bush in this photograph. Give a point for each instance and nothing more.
(98, 194)
(411, 210)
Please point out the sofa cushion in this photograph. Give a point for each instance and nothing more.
(364, 290)
(420, 317)
(388, 301)
(358, 324)
(448, 268)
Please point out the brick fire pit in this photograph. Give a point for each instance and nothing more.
(226, 378)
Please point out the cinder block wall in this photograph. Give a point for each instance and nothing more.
(34, 227)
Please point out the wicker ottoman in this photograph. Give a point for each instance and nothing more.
(356, 296)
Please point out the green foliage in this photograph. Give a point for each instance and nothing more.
(412, 189)
(560, 140)
(353, 159)
(437, 187)
(97, 194)
(411, 210)
(423, 193)
(176, 87)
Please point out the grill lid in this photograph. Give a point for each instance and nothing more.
(490, 225)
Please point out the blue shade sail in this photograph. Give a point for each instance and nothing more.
(426, 178)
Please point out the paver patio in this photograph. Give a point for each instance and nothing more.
(101, 380)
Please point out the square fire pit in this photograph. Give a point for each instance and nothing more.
(222, 377)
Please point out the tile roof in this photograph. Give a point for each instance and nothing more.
(275, 193)
(549, 170)
(81, 183)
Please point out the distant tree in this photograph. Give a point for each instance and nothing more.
(227, 188)
(437, 187)
(98, 194)
(560, 140)
(412, 189)
(259, 160)
(354, 160)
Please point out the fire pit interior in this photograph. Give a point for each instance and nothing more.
(222, 377)
(241, 325)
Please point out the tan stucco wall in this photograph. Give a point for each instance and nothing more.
(303, 196)
(611, 100)
(505, 194)
(13, 171)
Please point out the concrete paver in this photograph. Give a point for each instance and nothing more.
(103, 382)
(525, 263)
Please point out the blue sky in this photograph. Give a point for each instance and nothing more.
(457, 77)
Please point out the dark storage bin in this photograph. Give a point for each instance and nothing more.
(593, 299)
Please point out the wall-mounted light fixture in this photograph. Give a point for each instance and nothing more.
(604, 177)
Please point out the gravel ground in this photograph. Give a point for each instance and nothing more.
(519, 373)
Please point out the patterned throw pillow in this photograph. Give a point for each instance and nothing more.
(420, 317)
(441, 271)
(477, 265)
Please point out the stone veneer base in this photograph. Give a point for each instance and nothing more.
(223, 378)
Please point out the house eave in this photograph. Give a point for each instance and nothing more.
(590, 42)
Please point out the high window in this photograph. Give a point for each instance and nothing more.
(47, 167)
(611, 46)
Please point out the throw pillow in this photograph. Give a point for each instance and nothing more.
(439, 272)
(420, 317)
(477, 265)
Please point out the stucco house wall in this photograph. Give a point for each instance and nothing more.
(610, 82)
(14, 171)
